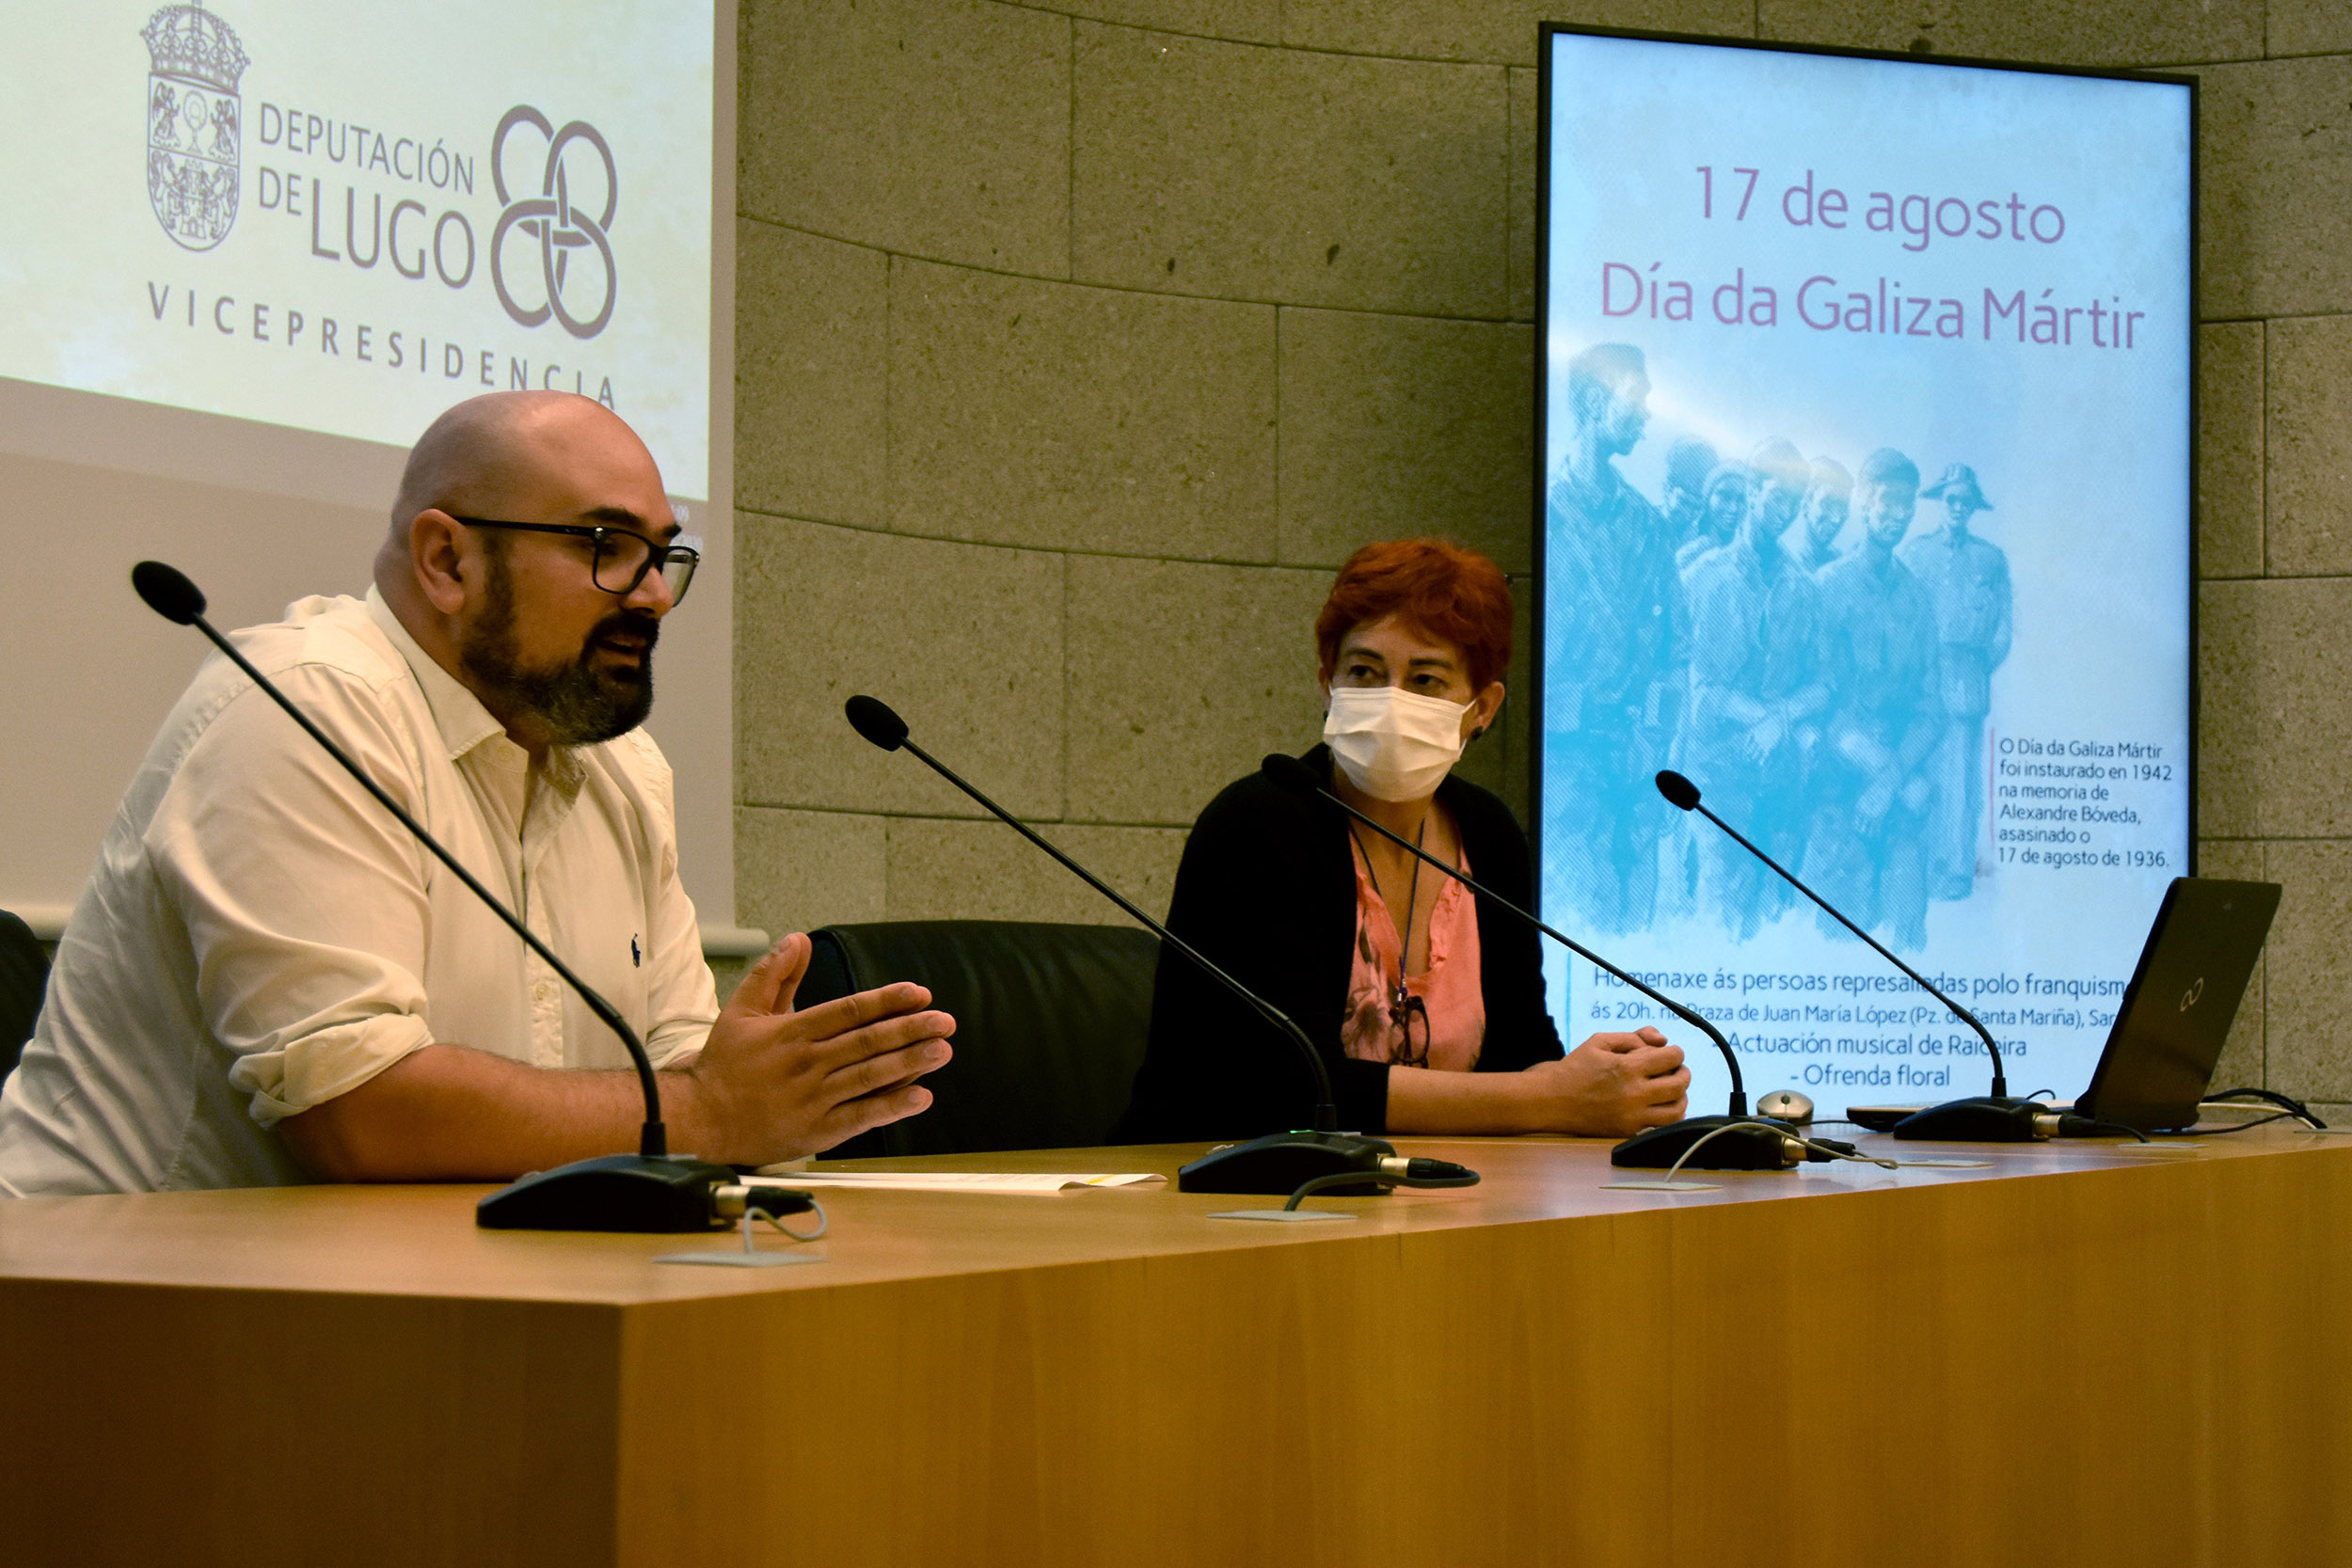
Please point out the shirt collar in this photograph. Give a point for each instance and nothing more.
(457, 713)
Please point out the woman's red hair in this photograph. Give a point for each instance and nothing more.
(1450, 594)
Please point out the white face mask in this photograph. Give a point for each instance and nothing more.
(1392, 744)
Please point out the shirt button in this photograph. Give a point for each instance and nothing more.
(544, 991)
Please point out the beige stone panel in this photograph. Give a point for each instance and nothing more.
(964, 641)
(811, 398)
(1498, 760)
(2305, 675)
(1518, 711)
(2230, 450)
(2275, 677)
(2309, 971)
(1498, 30)
(2309, 27)
(2052, 32)
(2305, 696)
(949, 870)
(1072, 417)
(1181, 678)
(797, 870)
(938, 128)
(1400, 425)
(1520, 267)
(2275, 220)
(1243, 21)
(2309, 446)
(2241, 1063)
(727, 973)
(1204, 168)
(2230, 728)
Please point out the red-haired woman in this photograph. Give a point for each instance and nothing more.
(1426, 1002)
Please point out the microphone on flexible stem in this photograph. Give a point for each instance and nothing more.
(651, 1190)
(1278, 1162)
(1994, 1118)
(1658, 1147)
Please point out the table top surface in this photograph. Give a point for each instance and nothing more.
(423, 1240)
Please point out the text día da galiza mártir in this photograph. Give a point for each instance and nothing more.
(1878, 305)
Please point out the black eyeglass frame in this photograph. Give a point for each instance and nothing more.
(597, 533)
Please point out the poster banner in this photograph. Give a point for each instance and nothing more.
(1867, 479)
(346, 218)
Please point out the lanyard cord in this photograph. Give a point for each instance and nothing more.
(1399, 997)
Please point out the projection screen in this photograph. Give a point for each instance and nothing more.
(253, 248)
(1864, 502)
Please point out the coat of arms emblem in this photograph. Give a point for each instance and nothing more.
(193, 119)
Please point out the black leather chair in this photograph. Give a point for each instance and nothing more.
(1050, 1026)
(24, 976)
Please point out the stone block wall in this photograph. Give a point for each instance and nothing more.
(1078, 342)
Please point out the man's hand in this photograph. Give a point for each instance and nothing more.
(770, 1085)
(775, 1084)
(1610, 1086)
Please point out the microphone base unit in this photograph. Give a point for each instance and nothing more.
(1986, 1120)
(1762, 1143)
(613, 1192)
(1284, 1161)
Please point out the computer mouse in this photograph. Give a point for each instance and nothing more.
(1786, 1105)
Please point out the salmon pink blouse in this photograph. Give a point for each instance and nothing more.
(1444, 1023)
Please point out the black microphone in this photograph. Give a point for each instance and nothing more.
(1994, 1118)
(1278, 1162)
(1654, 1146)
(651, 1190)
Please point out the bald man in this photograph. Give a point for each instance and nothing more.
(267, 980)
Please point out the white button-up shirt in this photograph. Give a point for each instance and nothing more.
(259, 935)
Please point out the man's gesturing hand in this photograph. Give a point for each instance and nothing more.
(775, 1084)
(1612, 1085)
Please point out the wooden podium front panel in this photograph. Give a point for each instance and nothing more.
(2075, 1356)
(2099, 1368)
(163, 1425)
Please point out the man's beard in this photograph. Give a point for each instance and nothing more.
(579, 703)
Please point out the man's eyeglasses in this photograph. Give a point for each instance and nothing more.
(623, 557)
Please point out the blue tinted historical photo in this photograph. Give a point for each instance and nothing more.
(1864, 503)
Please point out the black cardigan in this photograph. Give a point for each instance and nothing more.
(1266, 890)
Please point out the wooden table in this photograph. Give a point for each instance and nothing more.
(2078, 1355)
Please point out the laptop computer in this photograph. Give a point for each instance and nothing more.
(2177, 1010)
(2175, 1014)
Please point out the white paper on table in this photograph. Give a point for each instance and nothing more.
(949, 1181)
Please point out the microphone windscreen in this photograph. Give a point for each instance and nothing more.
(1291, 773)
(877, 722)
(1677, 790)
(168, 591)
